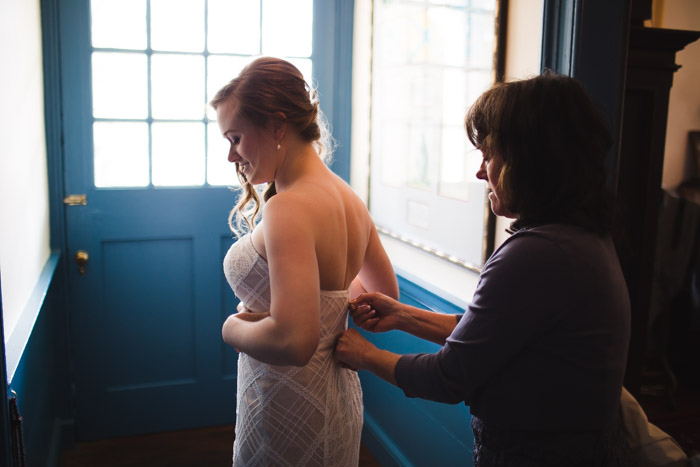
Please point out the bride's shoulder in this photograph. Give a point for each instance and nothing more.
(288, 208)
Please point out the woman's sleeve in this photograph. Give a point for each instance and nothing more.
(519, 297)
(432, 377)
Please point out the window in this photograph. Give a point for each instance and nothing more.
(155, 65)
(430, 60)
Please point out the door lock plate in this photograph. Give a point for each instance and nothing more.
(75, 200)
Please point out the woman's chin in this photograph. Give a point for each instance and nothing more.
(499, 210)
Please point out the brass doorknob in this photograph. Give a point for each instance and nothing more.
(81, 259)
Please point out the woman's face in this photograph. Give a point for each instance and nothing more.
(489, 171)
(249, 148)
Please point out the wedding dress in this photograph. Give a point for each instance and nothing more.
(287, 415)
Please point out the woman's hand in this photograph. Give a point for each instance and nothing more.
(376, 312)
(355, 352)
(351, 350)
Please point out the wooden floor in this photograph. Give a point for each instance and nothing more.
(211, 447)
(204, 447)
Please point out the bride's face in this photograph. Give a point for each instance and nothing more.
(250, 149)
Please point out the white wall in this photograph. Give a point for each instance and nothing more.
(684, 101)
(24, 210)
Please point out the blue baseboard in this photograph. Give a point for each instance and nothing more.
(406, 432)
(62, 437)
(380, 444)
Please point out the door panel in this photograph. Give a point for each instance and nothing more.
(146, 316)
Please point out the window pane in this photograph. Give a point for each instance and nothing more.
(241, 37)
(450, 2)
(481, 32)
(422, 154)
(178, 154)
(454, 177)
(430, 60)
(119, 85)
(119, 24)
(454, 96)
(445, 41)
(170, 83)
(400, 37)
(477, 83)
(488, 5)
(219, 170)
(394, 147)
(425, 92)
(177, 86)
(287, 27)
(177, 25)
(121, 154)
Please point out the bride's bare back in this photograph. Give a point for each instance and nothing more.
(343, 231)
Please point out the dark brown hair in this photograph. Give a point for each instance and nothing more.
(553, 142)
(263, 91)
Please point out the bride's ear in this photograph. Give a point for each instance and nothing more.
(279, 126)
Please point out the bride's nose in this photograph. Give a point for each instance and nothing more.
(232, 156)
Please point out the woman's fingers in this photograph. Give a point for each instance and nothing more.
(345, 365)
(369, 324)
(361, 312)
(350, 348)
(363, 299)
(366, 319)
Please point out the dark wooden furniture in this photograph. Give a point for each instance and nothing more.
(651, 64)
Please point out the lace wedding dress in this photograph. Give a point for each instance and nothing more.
(288, 415)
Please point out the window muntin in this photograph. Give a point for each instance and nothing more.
(155, 65)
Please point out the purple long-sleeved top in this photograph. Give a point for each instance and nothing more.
(543, 345)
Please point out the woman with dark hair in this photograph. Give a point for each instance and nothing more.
(294, 272)
(539, 355)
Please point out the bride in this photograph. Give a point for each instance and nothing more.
(293, 272)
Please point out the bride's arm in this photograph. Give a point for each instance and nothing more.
(290, 335)
(377, 273)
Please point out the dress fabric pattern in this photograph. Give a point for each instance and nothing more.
(286, 415)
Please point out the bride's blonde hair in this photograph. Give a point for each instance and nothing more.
(266, 88)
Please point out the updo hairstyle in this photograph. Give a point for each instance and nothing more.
(265, 88)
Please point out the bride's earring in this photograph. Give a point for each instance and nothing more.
(278, 146)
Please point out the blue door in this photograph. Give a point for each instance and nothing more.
(147, 195)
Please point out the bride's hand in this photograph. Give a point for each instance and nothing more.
(246, 315)
(243, 314)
